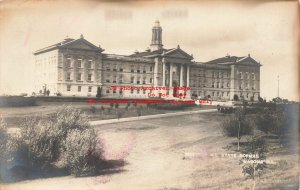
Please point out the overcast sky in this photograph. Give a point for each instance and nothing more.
(267, 31)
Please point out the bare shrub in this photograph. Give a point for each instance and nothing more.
(80, 152)
(67, 136)
(36, 142)
(3, 138)
(237, 125)
(256, 146)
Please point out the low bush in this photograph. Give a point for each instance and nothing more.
(66, 138)
(80, 152)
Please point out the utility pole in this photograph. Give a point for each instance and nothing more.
(278, 86)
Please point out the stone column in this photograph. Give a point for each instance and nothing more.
(155, 72)
(181, 75)
(171, 81)
(171, 73)
(187, 75)
(164, 72)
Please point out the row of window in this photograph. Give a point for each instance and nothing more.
(79, 63)
(219, 74)
(246, 86)
(246, 76)
(79, 76)
(219, 85)
(79, 88)
(138, 68)
(138, 91)
(132, 80)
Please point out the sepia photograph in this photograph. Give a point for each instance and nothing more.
(149, 95)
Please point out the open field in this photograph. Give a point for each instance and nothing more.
(15, 115)
(155, 152)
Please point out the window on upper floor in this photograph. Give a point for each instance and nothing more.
(68, 63)
(69, 88)
(132, 80)
(144, 80)
(151, 80)
(89, 77)
(240, 75)
(132, 68)
(151, 69)
(107, 78)
(79, 88)
(68, 76)
(115, 67)
(144, 69)
(138, 69)
(79, 63)
(253, 76)
(90, 64)
(79, 76)
(114, 79)
(90, 89)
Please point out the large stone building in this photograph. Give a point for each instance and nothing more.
(76, 67)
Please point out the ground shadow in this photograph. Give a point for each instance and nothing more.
(21, 173)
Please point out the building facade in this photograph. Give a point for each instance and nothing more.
(76, 67)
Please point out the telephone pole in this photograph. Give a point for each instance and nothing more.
(278, 86)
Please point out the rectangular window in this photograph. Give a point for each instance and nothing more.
(68, 76)
(90, 89)
(121, 69)
(241, 75)
(68, 63)
(79, 76)
(89, 64)
(131, 91)
(253, 76)
(138, 91)
(144, 80)
(151, 80)
(107, 78)
(138, 69)
(144, 69)
(151, 68)
(132, 68)
(69, 88)
(138, 80)
(213, 93)
(114, 91)
(120, 92)
(115, 79)
(115, 67)
(79, 61)
(107, 91)
(144, 91)
(89, 77)
(79, 88)
(132, 80)
(108, 68)
(121, 79)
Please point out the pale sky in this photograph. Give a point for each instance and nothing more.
(268, 31)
